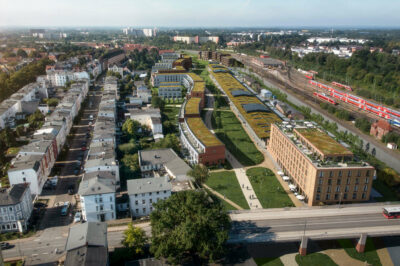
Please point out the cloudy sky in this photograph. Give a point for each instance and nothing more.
(207, 13)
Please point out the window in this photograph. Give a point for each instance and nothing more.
(330, 173)
(135, 195)
(151, 209)
(136, 202)
(346, 189)
(111, 198)
(24, 179)
(100, 199)
(345, 196)
(339, 182)
(144, 210)
(366, 180)
(97, 208)
(357, 181)
(321, 174)
(318, 197)
(355, 188)
(149, 193)
(151, 200)
(112, 207)
(364, 195)
(338, 189)
(328, 196)
(112, 215)
(318, 189)
(101, 207)
(14, 225)
(321, 181)
(365, 187)
(137, 211)
(329, 189)
(349, 173)
(336, 196)
(329, 181)
(165, 192)
(348, 181)
(358, 173)
(354, 195)
(340, 173)
(11, 209)
(367, 174)
(158, 192)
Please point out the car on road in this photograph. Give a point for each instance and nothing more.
(91, 117)
(77, 217)
(5, 245)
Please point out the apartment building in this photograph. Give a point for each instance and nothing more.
(97, 195)
(150, 117)
(146, 191)
(196, 39)
(321, 169)
(15, 208)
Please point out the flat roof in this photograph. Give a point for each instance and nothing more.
(323, 142)
(192, 106)
(201, 132)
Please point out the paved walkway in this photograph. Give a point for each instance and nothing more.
(222, 197)
(289, 259)
(340, 257)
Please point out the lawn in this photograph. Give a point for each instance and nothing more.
(370, 255)
(314, 259)
(226, 183)
(171, 112)
(231, 133)
(269, 191)
(227, 206)
(268, 261)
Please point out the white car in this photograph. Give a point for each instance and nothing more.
(78, 217)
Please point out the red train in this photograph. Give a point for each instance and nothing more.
(309, 77)
(340, 85)
(325, 98)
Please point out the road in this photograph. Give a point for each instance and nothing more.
(290, 224)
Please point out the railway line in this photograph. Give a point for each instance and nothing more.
(299, 83)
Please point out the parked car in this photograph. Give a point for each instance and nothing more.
(5, 245)
(91, 117)
(71, 189)
(39, 205)
(78, 217)
(65, 208)
(83, 148)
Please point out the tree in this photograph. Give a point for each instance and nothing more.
(7, 137)
(22, 53)
(128, 148)
(157, 102)
(134, 239)
(131, 128)
(131, 161)
(52, 102)
(200, 173)
(189, 224)
(170, 141)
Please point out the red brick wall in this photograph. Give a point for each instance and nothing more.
(213, 155)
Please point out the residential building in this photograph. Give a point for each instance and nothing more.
(112, 57)
(15, 208)
(162, 162)
(170, 91)
(150, 117)
(380, 128)
(321, 169)
(87, 245)
(116, 69)
(196, 39)
(146, 191)
(97, 195)
(143, 93)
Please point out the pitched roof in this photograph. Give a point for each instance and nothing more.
(145, 185)
(99, 182)
(90, 234)
(13, 195)
(87, 256)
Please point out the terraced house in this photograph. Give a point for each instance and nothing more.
(323, 170)
(247, 107)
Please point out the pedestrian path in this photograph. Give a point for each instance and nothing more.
(244, 182)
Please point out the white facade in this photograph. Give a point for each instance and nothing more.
(15, 216)
(170, 92)
(99, 207)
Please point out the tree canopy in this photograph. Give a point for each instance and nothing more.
(189, 224)
(200, 173)
(134, 239)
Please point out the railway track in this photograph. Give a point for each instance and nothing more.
(293, 81)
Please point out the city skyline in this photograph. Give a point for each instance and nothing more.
(157, 13)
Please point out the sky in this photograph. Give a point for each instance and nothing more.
(200, 13)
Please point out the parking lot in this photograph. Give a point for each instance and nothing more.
(68, 169)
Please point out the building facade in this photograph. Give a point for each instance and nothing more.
(324, 171)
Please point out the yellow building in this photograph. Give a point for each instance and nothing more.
(323, 170)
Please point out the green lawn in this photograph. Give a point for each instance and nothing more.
(387, 192)
(268, 190)
(226, 183)
(370, 255)
(231, 133)
(268, 261)
(171, 112)
(314, 259)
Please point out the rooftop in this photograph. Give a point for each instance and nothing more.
(12, 195)
(145, 185)
(87, 256)
(97, 183)
(91, 234)
(323, 142)
(192, 106)
(201, 132)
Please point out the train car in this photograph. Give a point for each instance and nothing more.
(325, 98)
(394, 122)
(309, 77)
(340, 85)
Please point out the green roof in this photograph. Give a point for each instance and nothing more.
(201, 132)
(192, 106)
(323, 142)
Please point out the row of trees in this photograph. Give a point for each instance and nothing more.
(11, 83)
